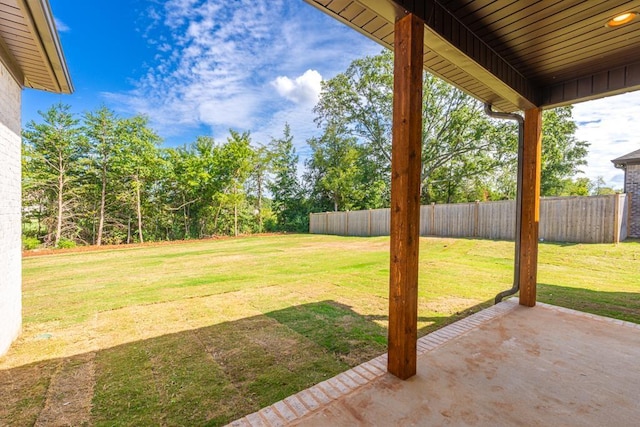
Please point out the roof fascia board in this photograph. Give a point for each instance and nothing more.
(592, 86)
(40, 20)
(391, 12)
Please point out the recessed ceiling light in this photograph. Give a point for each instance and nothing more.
(622, 19)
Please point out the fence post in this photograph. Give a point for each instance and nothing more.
(432, 219)
(476, 213)
(616, 218)
(369, 223)
(326, 223)
(346, 223)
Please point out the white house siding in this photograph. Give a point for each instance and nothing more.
(10, 205)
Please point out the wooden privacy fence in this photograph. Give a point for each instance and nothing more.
(595, 219)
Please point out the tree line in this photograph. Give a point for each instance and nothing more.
(104, 179)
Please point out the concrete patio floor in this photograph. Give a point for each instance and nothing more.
(507, 365)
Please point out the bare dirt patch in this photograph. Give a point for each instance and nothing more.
(68, 401)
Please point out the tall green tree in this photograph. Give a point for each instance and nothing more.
(101, 129)
(260, 180)
(285, 188)
(235, 166)
(358, 103)
(333, 172)
(53, 150)
(562, 153)
(138, 164)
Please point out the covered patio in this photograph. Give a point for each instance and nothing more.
(506, 365)
(511, 55)
(516, 363)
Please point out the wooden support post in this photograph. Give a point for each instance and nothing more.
(405, 196)
(530, 216)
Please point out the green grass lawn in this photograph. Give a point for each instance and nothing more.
(201, 333)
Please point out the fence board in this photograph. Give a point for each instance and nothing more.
(455, 220)
(497, 220)
(380, 222)
(596, 219)
(359, 223)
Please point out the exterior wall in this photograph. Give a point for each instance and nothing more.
(632, 187)
(10, 207)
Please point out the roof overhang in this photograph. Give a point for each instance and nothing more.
(30, 47)
(632, 158)
(514, 55)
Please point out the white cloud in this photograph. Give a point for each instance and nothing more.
(256, 64)
(609, 125)
(222, 64)
(305, 89)
(61, 26)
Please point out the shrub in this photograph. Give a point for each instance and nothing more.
(29, 243)
(66, 243)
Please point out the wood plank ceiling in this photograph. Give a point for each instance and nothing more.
(514, 54)
(30, 48)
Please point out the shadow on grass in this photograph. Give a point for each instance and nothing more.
(618, 305)
(215, 374)
(559, 244)
(205, 376)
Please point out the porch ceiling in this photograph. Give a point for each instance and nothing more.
(30, 48)
(514, 54)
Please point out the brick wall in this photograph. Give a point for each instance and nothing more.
(632, 186)
(10, 205)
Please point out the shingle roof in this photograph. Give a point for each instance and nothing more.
(633, 157)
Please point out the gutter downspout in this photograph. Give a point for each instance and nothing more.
(516, 262)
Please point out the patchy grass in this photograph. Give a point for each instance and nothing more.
(201, 333)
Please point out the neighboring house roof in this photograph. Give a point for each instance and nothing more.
(631, 158)
(514, 55)
(30, 47)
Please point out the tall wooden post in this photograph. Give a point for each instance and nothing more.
(530, 216)
(405, 195)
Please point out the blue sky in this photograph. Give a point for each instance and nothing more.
(198, 67)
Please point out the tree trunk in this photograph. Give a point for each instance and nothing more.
(139, 210)
(215, 219)
(260, 203)
(58, 234)
(103, 197)
(235, 219)
(185, 214)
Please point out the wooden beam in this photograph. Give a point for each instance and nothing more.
(405, 196)
(530, 216)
